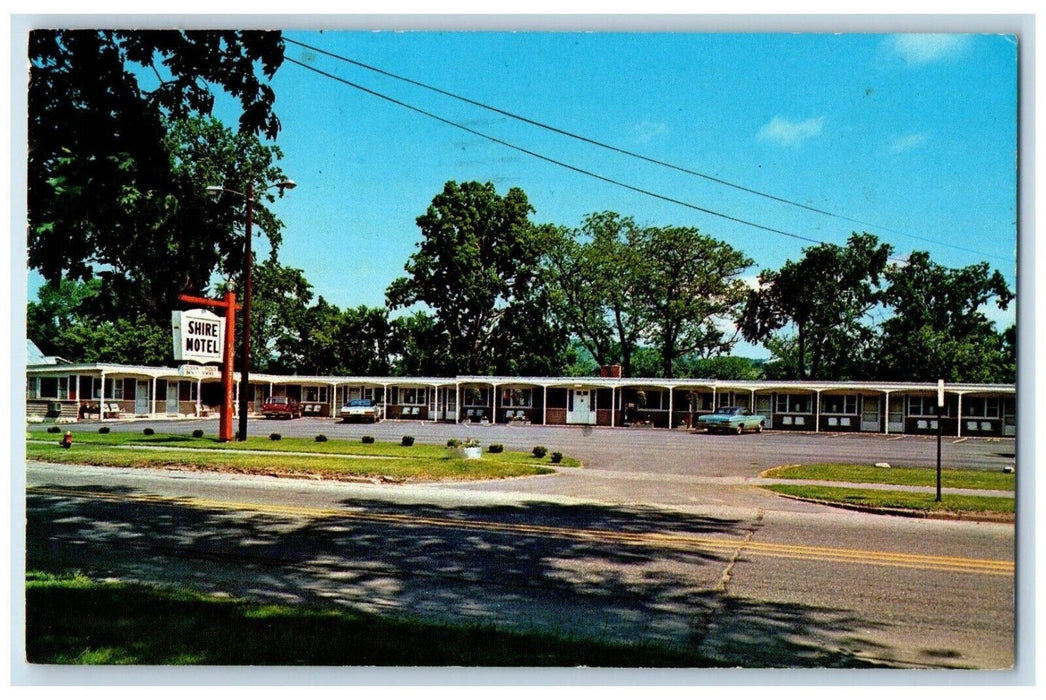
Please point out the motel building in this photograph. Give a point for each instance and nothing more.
(67, 392)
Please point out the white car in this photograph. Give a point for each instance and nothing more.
(361, 410)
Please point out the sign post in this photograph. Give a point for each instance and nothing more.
(203, 337)
(940, 431)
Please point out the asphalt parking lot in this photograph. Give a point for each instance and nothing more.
(643, 465)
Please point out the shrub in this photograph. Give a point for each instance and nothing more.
(540, 451)
(407, 440)
(275, 436)
(321, 438)
(557, 457)
(197, 433)
(148, 431)
(453, 442)
(104, 429)
(496, 448)
(368, 439)
(54, 429)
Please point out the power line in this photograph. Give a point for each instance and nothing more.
(631, 154)
(547, 159)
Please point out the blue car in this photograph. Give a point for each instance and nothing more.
(732, 419)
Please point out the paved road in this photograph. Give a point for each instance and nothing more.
(664, 541)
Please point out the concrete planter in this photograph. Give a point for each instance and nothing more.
(472, 452)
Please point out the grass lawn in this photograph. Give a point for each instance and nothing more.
(898, 476)
(899, 499)
(330, 459)
(73, 620)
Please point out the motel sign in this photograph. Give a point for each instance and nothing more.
(199, 335)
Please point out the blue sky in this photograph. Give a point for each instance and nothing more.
(913, 136)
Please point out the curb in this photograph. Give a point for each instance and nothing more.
(908, 513)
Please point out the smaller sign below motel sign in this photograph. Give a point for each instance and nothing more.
(198, 335)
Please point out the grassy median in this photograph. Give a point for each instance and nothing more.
(330, 459)
(897, 476)
(71, 619)
(919, 502)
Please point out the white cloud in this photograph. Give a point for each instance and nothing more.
(645, 131)
(907, 142)
(783, 131)
(917, 49)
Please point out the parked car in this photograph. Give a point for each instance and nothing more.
(732, 419)
(362, 410)
(281, 407)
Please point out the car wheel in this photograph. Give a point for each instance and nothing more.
(739, 429)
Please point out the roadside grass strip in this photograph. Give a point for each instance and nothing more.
(896, 476)
(445, 466)
(71, 619)
(665, 540)
(899, 500)
(419, 461)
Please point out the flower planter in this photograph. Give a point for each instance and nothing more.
(472, 452)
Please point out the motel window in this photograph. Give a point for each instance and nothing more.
(521, 398)
(410, 396)
(314, 393)
(655, 400)
(981, 407)
(32, 387)
(54, 388)
(845, 404)
(700, 401)
(927, 406)
(113, 389)
(793, 403)
(475, 396)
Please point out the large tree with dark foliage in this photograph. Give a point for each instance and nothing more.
(119, 157)
(478, 268)
(937, 328)
(822, 302)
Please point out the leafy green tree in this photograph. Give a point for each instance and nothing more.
(937, 328)
(59, 325)
(364, 342)
(116, 170)
(416, 344)
(691, 289)
(721, 367)
(594, 276)
(477, 267)
(281, 298)
(825, 300)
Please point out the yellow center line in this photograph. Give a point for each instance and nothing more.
(638, 539)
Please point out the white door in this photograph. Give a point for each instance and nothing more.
(870, 414)
(581, 411)
(141, 397)
(172, 398)
(896, 414)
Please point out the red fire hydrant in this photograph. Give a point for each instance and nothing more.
(67, 440)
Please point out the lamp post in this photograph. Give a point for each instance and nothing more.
(248, 265)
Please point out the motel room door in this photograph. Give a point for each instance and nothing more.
(870, 418)
(581, 411)
(172, 398)
(895, 414)
(141, 397)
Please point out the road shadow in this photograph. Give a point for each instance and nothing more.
(585, 571)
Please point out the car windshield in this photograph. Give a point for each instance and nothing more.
(728, 411)
(360, 402)
(276, 399)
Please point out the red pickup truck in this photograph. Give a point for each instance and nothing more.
(281, 407)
